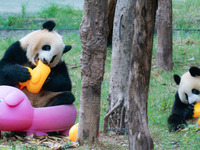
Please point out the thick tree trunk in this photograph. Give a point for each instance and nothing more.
(93, 34)
(164, 31)
(139, 136)
(120, 65)
(111, 14)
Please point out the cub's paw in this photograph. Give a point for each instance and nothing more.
(23, 74)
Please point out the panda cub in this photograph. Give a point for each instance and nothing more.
(187, 95)
(46, 45)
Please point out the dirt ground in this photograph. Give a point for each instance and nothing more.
(111, 141)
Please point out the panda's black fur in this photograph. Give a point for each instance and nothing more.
(183, 108)
(56, 89)
(11, 69)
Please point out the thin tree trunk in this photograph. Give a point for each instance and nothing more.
(111, 14)
(120, 66)
(164, 31)
(93, 34)
(139, 136)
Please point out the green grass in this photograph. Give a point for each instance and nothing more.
(186, 14)
(66, 17)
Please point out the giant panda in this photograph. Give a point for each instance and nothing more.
(187, 95)
(46, 45)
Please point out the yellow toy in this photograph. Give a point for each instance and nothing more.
(73, 132)
(38, 76)
(197, 111)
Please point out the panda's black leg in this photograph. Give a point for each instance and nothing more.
(61, 99)
(176, 122)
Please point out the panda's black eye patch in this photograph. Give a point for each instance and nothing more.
(195, 91)
(46, 47)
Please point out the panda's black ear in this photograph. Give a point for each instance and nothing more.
(194, 71)
(49, 25)
(177, 79)
(67, 48)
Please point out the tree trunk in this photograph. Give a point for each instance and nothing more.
(120, 66)
(111, 14)
(139, 136)
(93, 34)
(164, 31)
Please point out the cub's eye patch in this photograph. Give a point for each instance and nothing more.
(46, 47)
(195, 91)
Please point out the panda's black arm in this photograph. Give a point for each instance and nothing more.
(58, 79)
(180, 113)
(11, 71)
(13, 74)
(15, 54)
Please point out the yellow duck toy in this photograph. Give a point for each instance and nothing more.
(197, 111)
(38, 76)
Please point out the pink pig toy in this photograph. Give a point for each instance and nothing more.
(17, 114)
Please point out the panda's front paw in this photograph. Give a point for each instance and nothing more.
(23, 74)
(190, 112)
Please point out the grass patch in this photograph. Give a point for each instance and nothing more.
(66, 17)
(69, 18)
(186, 14)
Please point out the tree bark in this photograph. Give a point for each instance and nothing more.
(111, 14)
(93, 34)
(164, 32)
(120, 66)
(139, 136)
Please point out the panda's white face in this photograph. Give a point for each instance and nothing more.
(44, 45)
(189, 88)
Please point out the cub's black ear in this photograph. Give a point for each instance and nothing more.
(194, 71)
(49, 25)
(177, 79)
(67, 48)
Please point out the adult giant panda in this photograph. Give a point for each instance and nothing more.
(46, 45)
(187, 95)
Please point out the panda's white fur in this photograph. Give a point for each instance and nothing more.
(186, 85)
(34, 41)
